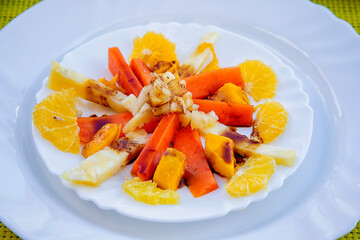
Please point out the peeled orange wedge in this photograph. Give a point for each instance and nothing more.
(55, 117)
(152, 48)
(260, 80)
(251, 177)
(271, 120)
(148, 192)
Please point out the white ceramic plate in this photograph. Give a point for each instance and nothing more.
(319, 201)
(91, 59)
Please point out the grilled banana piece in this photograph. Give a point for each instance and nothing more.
(246, 147)
(86, 88)
(98, 167)
(103, 164)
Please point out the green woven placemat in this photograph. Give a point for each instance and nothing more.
(349, 10)
(9, 9)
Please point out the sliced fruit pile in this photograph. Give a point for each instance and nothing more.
(176, 104)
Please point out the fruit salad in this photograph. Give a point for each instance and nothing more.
(164, 108)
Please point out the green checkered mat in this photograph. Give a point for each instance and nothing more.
(349, 10)
(9, 9)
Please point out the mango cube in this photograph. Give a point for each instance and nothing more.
(170, 170)
(220, 153)
(104, 137)
(231, 93)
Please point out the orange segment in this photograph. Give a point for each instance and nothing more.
(271, 120)
(260, 80)
(152, 48)
(55, 117)
(252, 177)
(148, 192)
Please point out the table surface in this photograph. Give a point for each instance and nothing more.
(348, 10)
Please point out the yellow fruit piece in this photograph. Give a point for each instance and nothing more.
(148, 192)
(214, 64)
(260, 80)
(271, 120)
(152, 48)
(112, 83)
(162, 67)
(144, 116)
(231, 93)
(170, 169)
(219, 151)
(86, 88)
(248, 148)
(98, 167)
(104, 137)
(203, 59)
(55, 117)
(252, 177)
(198, 119)
(62, 77)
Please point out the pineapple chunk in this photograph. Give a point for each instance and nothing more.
(104, 137)
(86, 88)
(142, 99)
(282, 156)
(164, 97)
(184, 119)
(104, 95)
(199, 59)
(178, 105)
(129, 103)
(133, 143)
(162, 109)
(170, 170)
(144, 116)
(219, 151)
(231, 93)
(198, 119)
(62, 77)
(139, 136)
(245, 147)
(177, 87)
(98, 167)
(188, 101)
(217, 129)
(168, 76)
(160, 93)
